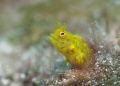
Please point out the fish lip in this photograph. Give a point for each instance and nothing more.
(52, 36)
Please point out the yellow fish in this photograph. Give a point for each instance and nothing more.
(73, 47)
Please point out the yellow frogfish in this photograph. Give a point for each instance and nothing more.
(73, 47)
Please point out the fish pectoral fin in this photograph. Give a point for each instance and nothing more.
(66, 62)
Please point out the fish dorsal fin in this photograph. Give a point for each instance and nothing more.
(80, 37)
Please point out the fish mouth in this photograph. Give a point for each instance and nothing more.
(52, 37)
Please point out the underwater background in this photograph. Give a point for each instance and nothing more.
(28, 58)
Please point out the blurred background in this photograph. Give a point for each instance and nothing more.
(26, 53)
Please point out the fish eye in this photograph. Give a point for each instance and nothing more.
(62, 34)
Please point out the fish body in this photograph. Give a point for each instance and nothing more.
(73, 47)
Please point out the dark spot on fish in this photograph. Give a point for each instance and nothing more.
(70, 51)
(81, 50)
(67, 51)
(73, 50)
(62, 42)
